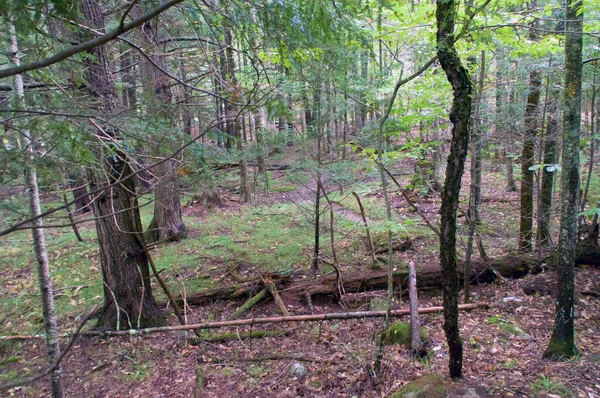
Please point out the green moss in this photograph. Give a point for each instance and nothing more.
(429, 386)
(508, 327)
(399, 333)
(284, 188)
(559, 350)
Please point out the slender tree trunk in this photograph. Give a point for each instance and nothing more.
(128, 299)
(39, 239)
(562, 343)
(527, 158)
(527, 154)
(234, 129)
(475, 188)
(460, 116)
(548, 172)
(129, 96)
(416, 345)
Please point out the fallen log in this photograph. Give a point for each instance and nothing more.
(402, 245)
(512, 266)
(276, 319)
(238, 291)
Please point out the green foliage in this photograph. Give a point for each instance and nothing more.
(547, 385)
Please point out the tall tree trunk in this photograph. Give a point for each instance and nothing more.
(475, 188)
(129, 96)
(39, 239)
(527, 154)
(548, 172)
(527, 158)
(167, 223)
(234, 129)
(562, 343)
(460, 116)
(128, 299)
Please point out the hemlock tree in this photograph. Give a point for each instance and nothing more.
(128, 299)
(460, 116)
(562, 342)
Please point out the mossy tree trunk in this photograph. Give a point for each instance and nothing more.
(562, 343)
(460, 116)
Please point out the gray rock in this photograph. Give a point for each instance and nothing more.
(298, 370)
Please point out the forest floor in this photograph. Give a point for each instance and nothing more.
(503, 344)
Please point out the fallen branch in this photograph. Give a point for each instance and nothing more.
(248, 304)
(277, 319)
(255, 334)
(31, 379)
(273, 290)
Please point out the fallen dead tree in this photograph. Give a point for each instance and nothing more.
(235, 291)
(277, 319)
(511, 267)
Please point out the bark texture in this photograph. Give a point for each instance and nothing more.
(527, 155)
(460, 116)
(39, 239)
(545, 236)
(128, 299)
(562, 343)
(167, 223)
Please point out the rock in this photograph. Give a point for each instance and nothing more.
(298, 370)
(434, 386)
(399, 333)
(511, 299)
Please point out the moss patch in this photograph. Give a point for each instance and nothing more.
(506, 326)
(429, 386)
(399, 333)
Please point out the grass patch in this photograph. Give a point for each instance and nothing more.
(546, 385)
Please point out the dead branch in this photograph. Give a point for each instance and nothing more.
(277, 319)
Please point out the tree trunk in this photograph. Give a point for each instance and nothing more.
(167, 223)
(545, 210)
(460, 116)
(562, 343)
(475, 188)
(128, 299)
(39, 239)
(234, 130)
(527, 157)
(83, 203)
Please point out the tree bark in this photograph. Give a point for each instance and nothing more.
(562, 343)
(475, 188)
(39, 239)
(545, 237)
(128, 299)
(527, 157)
(460, 116)
(167, 223)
